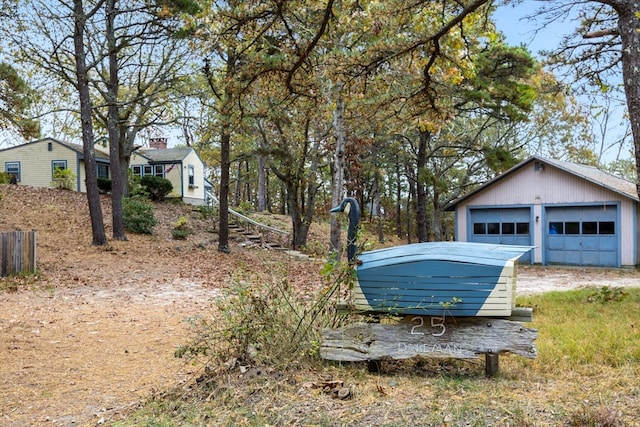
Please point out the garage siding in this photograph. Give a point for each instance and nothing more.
(543, 189)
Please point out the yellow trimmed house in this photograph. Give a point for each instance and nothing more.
(182, 166)
(33, 164)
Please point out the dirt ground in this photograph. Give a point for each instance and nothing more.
(94, 332)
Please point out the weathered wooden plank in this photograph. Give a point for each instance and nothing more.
(461, 338)
(17, 252)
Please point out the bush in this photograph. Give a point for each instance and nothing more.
(4, 178)
(136, 190)
(63, 179)
(104, 185)
(259, 324)
(157, 187)
(138, 216)
(181, 229)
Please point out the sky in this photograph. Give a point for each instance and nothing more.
(519, 30)
(512, 21)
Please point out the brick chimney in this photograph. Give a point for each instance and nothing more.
(158, 143)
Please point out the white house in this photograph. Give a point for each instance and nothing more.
(182, 166)
(33, 164)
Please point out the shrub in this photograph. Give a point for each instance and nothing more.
(104, 185)
(136, 190)
(260, 324)
(4, 178)
(181, 229)
(157, 187)
(63, 179)
(138, 216)
(207, 212)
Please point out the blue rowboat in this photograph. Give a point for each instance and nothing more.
(435, 278)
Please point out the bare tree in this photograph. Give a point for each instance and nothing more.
(603, 47)
(82, 85)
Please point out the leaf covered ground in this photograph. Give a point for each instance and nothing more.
(93, 334)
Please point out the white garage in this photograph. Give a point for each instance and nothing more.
(573, 214)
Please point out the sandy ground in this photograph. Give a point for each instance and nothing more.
(96, 332)
(79, 355)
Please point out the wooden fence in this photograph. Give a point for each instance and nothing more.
(18, 252)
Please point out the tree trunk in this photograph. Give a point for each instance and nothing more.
(421, 192)
(262, 184)
(337, 192)
(112, 126)
(437, 211)
(398, 199)
(225, 155)
(236, 187)
(410, 203)
(628, 24)
(93, 195)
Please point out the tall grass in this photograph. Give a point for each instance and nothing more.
(585, 327)
(586, 374)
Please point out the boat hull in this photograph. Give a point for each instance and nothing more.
(438, 278)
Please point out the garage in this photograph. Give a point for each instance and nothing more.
(506, 226)
(571, 214)
(585, 235)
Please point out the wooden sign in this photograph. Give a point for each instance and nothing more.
(461, 338)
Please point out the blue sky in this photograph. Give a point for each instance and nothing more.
(511, 21)
(518, 30)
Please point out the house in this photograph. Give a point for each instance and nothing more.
(182, 166)
(33, 164)
(572, 214)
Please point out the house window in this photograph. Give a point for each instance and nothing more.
(493, 228)
(522, 228)
(504, 228)
(607, 227)
(13, 168)
(145, 170)
(479, 228)
(588, 227)
(49, 146)
(508, 228)
(572, 227)
(58, 164)
(556, 228)
(103, 170)
(192, 175)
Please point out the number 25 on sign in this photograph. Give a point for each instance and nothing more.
(436, 322)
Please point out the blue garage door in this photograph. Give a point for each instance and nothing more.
(506, 226)
(582, 236)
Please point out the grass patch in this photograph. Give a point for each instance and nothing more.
(577, 330)
(586, 374)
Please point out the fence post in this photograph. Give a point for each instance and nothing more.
(18, 252)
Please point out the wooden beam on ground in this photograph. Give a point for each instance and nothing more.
(461, 338)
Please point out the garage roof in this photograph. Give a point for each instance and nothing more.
(589, 173)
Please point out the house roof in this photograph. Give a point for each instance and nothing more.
(588, 173)
(166, 155)
(74, 147)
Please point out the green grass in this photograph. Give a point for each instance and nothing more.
(587, 374)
